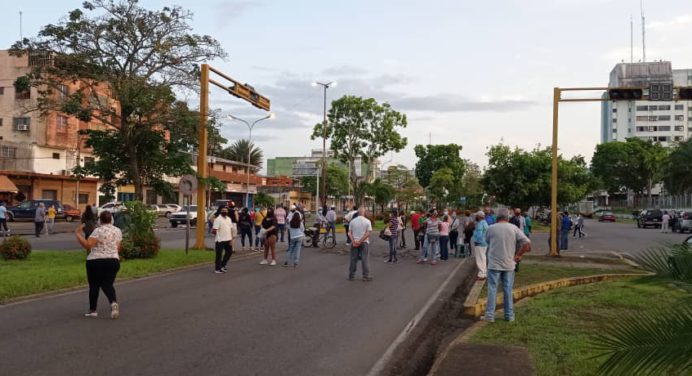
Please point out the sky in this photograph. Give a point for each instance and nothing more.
(475, 73)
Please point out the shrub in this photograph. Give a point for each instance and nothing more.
(15, 248)
(139, 239)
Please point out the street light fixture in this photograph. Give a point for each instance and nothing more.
(250, 126)
(325, 86)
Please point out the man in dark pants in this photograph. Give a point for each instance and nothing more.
(39, 219)
(359, 230)
(223, 229)
(415, 226)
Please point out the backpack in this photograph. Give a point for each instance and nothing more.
(295, 220)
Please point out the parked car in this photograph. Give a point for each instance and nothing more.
(174, 207)
(688, 241)
(71, 213)
(27, 209)
(652, 217)
(110, 207)
(684, 222)
(162, 210)
(606, 216)
(180, 217)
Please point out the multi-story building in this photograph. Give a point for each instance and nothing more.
(667, 122)
(305, 166)
(39, 150)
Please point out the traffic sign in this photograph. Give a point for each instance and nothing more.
(188, 185)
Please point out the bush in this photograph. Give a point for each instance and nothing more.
(15, 248)
(139, 239)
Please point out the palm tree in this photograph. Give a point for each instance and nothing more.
(238, 152)
(381, 192)
(659, 342)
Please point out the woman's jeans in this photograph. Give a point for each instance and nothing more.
(393, 240)
(294, 245)
(444, 247)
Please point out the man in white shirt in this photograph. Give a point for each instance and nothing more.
(331, 222)
(359, 230)
(224, 230)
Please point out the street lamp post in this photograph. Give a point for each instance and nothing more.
(250, 126)
(325, 86)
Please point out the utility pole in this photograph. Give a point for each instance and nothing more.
(325, 86)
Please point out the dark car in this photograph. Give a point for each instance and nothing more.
(606, 217)
(652, 217)
(27, 209)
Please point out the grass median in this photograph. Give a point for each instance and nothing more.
(46, 271)
(558, 327)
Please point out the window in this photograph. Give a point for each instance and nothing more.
(61, 124)
(642, 108)
(0, 122)
(679, 128)
(88, 160)
(2, 90)
(679, 107)
(49, 194)
(56, 155)
(642, 118)
(8, 152)
(615, 120)
(63, 92)
(83, 198)
(615, 110)
(680, 117)
(21, 124)
(653, 118)
(26, 94)
(677, 138)
(662, 138)
(663, 117)
(664, 128)
(664, 108)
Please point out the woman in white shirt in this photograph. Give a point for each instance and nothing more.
(103, 262)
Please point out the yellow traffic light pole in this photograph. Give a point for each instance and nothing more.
(242, 91)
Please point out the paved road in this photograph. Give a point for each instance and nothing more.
(607, 237)
(255, 320)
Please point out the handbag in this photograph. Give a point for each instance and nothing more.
(387, 231)
(262, 233)
(384, 236)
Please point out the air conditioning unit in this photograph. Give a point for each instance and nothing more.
(23, 127)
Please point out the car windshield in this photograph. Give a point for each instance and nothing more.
(193, 208)
(607, 213)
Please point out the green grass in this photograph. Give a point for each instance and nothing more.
(534, 273)
(47, 271)
(558, 327)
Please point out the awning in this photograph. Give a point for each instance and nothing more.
(6, 185)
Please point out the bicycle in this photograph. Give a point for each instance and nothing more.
(324, 239)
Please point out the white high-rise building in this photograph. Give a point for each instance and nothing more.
(667, 122)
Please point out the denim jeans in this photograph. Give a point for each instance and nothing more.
(444, 247)
(564, 239)
(293, 255)
(507, 278)
(331, 227)
(360, 252)
(282, 229)
(433, 247)
(392, 248)
(424, 249)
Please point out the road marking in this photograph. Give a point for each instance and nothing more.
(387, 356)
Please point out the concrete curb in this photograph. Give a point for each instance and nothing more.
(476, 310)
(75, 289)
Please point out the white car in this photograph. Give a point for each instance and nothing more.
(110, 207)
(174, 208)
(180, 217)
(165, 210)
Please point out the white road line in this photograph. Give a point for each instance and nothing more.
(387, 356)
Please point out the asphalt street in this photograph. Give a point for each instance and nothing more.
(255, 320)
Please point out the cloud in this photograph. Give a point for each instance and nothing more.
(344, 70)
(455, 103)
(233, 9)
(674, 23)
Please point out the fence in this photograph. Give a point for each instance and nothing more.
(656, 202)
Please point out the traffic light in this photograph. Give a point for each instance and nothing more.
(249, 94)
(661, 92)
(625, 94)
(685, 93)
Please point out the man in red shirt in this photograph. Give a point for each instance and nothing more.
(415, 225)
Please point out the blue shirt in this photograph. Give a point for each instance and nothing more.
(479, 233)
(490, 219)
(3, 210)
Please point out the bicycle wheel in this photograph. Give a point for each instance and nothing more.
(328, 242)
(307, 241)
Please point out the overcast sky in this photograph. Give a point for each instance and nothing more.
(470, 72)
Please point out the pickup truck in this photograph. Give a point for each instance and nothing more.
(180, 217)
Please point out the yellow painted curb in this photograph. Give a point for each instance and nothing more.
(477, 309)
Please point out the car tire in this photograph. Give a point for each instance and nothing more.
(168, 214)
(174, 224)
(68, 218)
(10, 217)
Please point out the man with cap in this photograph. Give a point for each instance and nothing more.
(480, 245)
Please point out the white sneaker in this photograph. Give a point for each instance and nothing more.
(264, 262)
(91, 314)
(273, 263)
(115, 310)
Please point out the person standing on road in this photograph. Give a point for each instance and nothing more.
(415, 226)
(432, 235)
(225, 230)
(89, 221)
(564, 231)
(665, 221)
(579, 227)
(454, 233)
(259, 217)
(3, 220)
(296, 232)
(527, 225)
(102, 263)
(347, 218)
(331, 223)
(480, 245)
(39, 219)
(469, 228)
(50, 219)
(245, 228)
(359, 230)
(271, 228)
(393, 227)
(402, 230)
(280, 214)
(506, 245)
(444, 238)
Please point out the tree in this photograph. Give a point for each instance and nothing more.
(441, 182)
(264, 200)
(362, 128)
(381, 192)
(406, 187)
(434, 157)
(337, 181)
(678, 171)
(184, 131)
(523, 178)
(238, 151)
(117, 69)
(471, 187)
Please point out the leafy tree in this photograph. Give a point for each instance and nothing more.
(363, 128)
(434, 157)
(381, 192)
(523, 178)
(238, 151)
(117, 69)
(337, 181)
(441, 182)
(406, 187)
(184, 130)
(471, 186)
(678, 171)
(263, 199)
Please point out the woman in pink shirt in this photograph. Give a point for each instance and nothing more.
(444, 238)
